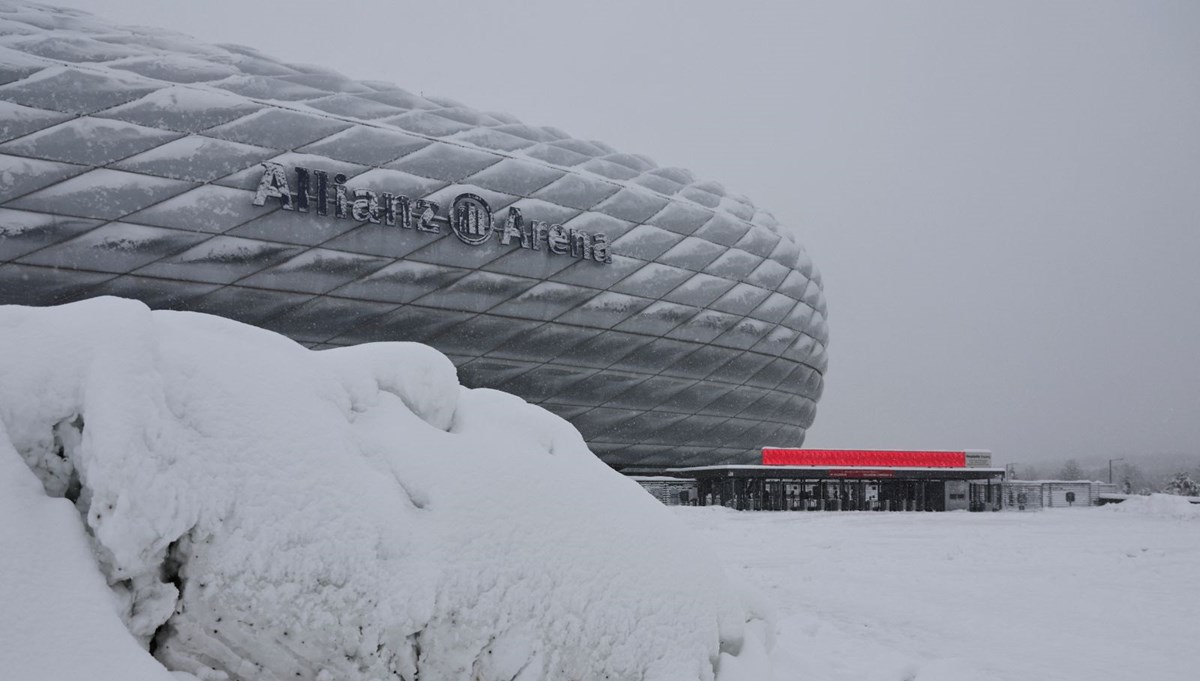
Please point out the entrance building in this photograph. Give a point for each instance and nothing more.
(852, 480)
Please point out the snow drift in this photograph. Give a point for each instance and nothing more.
(261, 511)
(1159, 505)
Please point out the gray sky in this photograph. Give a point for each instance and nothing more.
(1003, 197)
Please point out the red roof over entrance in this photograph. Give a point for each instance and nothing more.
(882, 458)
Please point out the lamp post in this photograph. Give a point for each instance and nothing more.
(1110, 463)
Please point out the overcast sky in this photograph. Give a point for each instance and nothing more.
(1003, 197)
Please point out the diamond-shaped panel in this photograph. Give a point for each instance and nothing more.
(369, 146)
(20, 176)
(513, 176)
(23, 232)
(196, 158)
(315, 271)
(158, 293)
(605, 310)
(445, 162)
(207, 208)
(29, 285)
(477, 335)
(115, 247)
(278, 129)
(545, 301)
(17, 120)
(477, 292)
(646, 242)
(183, 109)
(222, 260)
(75, 91)
(102, 193)
(354, 106)
(653, 280)
(658, 319)
(89, 141)
(578, 191)
(402, 282)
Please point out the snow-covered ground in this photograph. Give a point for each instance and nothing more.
(1073, 594)
(249, 510)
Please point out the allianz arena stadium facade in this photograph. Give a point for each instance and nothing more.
(673, 322)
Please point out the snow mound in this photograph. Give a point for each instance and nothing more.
(264, 512)
(1159, 505)
(51, 592)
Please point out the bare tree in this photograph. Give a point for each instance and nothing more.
(1132, 480)
(1071, 471)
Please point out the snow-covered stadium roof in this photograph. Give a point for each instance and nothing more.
(129, 158)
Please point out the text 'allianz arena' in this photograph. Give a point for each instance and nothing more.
(672, 322)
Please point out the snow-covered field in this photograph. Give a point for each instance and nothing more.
(1072, 594)
(243, 509)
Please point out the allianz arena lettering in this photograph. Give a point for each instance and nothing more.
(470, 217)
(672, 321)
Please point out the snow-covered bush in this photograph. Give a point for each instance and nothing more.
(266, 512)
(1181, 484)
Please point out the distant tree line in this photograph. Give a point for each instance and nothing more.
(1130, 478)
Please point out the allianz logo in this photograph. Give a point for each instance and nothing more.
(469, 217)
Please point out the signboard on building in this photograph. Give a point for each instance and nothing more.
(469, 216)
(773, 456)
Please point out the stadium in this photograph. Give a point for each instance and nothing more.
(672, 321)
